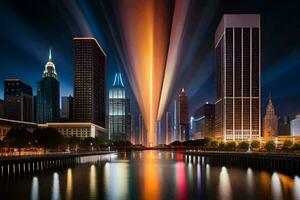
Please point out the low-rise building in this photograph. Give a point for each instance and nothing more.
(77, 129)
(7, 124)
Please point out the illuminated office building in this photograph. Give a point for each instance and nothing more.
(270, 125)
(238, 52)
(183, 116)
(119, 111)
(47, 104)
(295, 126)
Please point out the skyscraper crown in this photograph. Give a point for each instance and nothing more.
(118, 82)
(50, 67)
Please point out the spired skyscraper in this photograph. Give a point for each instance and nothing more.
(270, 122)
(183, 111)
(89, 81)
(48, 94)
(238, 51)
(119, 111)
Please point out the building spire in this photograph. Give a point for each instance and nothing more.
(50, 55)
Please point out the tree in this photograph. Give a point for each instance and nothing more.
(49, 138)
(74, 142)
(176, 143)
(287, 145)
(222, 145)
(214, 144)
(243, 145)
(255, 144)
(296, 147)
(270, 146)
(18, 137)
(231, 146)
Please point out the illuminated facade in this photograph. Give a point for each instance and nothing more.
(270, 122)
(237, 46)
(295, 126)
(77, 129)
(89, 81)
(119, 111)
(169, 128)
(47, 104)
(18, 100)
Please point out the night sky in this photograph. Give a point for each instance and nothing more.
(30, 28)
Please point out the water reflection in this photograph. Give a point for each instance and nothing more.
(55, 187)
(116, 180)
(93, 182)
(181, 182)
(69, 187)
(276, 191)
(250, 181)
(224, 185)
(34, 189)
(151, 178)
(296, 187)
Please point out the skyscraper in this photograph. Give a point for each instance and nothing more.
(295, 126)
(119, 111)
(203, 121)
(237, 46)
(1, 108)
(66, 108)
(169, 128)
(89, 81)
(284, 128)
(183, 116)
(18, 100)
(270, 121)
(48, 94)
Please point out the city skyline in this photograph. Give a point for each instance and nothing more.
(272, 66)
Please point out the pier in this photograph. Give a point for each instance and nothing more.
(18, 165)
(281, 162)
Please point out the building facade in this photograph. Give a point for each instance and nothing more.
(77, 129)
(1, 108)
(119, 111)
(295, 126)
(66, 111)
(183, 112)
(270, 125)
(169, 128)
(47, 100)
(238, 88)
(284, 128)
(18, 100)
(89, 81)
(203, 122)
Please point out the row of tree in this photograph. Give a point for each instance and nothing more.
(50, 138)
(212, 144)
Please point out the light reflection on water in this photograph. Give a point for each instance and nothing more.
(69, 187)
(152, 175)
(55, 187)
(224, 185)
(34, 189)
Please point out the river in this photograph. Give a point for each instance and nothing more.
(150, 175)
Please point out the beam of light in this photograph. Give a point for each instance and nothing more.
(276, 189)
(181, 8)
(151, 188)
(144, 26)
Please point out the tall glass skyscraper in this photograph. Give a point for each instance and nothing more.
(48, 94)
(237, 46)
(119, 111)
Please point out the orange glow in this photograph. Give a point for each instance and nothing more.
(144, 26)
(151, 178)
